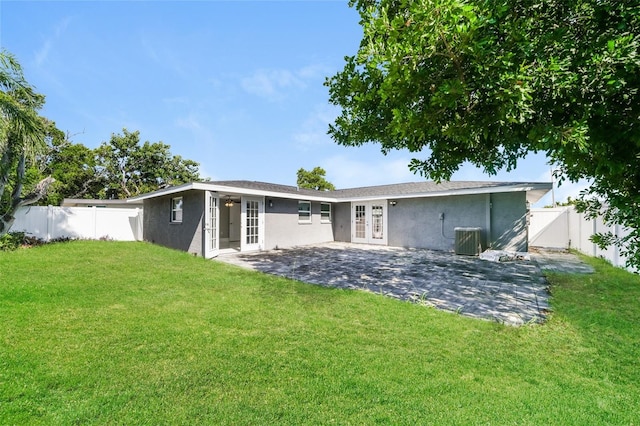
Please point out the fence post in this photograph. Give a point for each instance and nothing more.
(49, 222)
(95, 222)
(595, 229)
(579, 232)
(138, 235)
(568, 222)
(616, 249)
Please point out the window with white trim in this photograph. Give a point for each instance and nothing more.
(304, 211)
(176, 210)
(325, 213)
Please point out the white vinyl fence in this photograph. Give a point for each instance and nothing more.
(565, 228)
(49, 223)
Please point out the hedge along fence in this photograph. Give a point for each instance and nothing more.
(565, 228)
(50, 223)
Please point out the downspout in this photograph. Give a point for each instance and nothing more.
(566, 212)
(488, 219)
(595, 229)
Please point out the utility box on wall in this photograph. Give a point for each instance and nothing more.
(468, 241)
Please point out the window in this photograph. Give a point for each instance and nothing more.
(304, 211)
(325, 212)
(176, 209)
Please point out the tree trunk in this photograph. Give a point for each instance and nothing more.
(7, 219)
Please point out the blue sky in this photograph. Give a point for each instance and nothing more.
(234, 85)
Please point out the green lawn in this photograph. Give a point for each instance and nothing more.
(131, 333)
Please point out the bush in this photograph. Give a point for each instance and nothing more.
(14, 240)
(11, 241)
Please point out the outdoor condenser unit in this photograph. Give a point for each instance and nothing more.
(468, 241)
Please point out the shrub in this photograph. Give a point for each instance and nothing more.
(14, 240)
(11, 241)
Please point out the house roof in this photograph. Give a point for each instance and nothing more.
(419, 188)
(269, 187)
(534, 190)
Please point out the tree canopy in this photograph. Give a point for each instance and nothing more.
(130, 168)
(75, 169)
(22, 139)
(314, 179)
(119, 168)
(487, 82)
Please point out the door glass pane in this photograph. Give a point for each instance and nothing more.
(213, 219)
(361, 221)
(376, 222)
(252, 222)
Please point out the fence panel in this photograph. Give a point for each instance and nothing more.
(49, 223)
(129, 220)
(549, 228)
(32, 220)
(566, 228)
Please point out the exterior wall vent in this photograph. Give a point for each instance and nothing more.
(468, 241)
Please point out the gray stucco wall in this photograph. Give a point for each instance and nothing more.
(283, 230)
(187, 235)
(342, 222)
(503, 218)
(509, 221)
(415, 222)
(412, 222)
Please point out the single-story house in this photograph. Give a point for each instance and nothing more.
(205, 218)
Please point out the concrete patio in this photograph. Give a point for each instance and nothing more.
(513, 293)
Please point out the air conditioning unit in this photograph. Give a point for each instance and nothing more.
(468, 241)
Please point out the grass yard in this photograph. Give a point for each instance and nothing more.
(130, 333)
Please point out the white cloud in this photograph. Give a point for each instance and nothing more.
(271, 84)
(161, 53)
(274, 84)
(205, 173)
(43, 53)
(314, 71)
(176, 101)
(345, 172)
(201, 133)
(313, 130)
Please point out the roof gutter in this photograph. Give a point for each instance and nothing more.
(466, 191)
(231, 190)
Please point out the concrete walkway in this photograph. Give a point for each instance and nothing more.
(513, 293)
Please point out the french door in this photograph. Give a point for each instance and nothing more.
(252, 226)
(369, 222)
(211, 225)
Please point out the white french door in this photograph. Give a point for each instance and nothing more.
(369, 222)
(252, 226)
(211, 225)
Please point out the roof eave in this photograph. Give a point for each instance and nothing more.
(539, 189)
(230, 190)
(273, 194)
(166, 191)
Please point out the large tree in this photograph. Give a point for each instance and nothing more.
(75, 169)
(314, 179)
(130, 168)
(486, 82)
(119, 168)
(22, 140)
